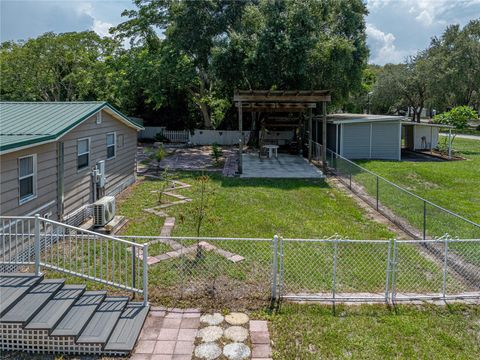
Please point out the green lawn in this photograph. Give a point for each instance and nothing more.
(450, 184)
(262, 208)
(376, 332)
(256, 208)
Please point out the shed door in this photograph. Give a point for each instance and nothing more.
(356, 141)
(386, 141)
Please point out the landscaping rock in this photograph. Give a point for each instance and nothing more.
(236, 351)
(236, 333)
(210, 333)
(210, 319)
(208, 351)
(236, 318)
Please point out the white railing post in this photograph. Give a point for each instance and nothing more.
(274, 267)
(37, 244)
(145, 275)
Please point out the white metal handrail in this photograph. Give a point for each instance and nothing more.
(74, 251)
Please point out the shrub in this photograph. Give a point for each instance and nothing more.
(216, 153)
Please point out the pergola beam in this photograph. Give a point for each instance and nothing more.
(283, 96)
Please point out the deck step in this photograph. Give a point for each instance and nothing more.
(32, 302)
(103, 321)
(13, 287)
(79, 314)
(128, 328)
(56, 308)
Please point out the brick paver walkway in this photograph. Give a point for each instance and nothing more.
(168, 335)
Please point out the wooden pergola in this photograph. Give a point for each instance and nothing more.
(288, 101)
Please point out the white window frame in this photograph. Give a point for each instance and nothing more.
(98, 119)
(87, 152)
(114, 144)
(34, 179)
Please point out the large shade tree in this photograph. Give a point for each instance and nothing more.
(208, 48)
(57, 67)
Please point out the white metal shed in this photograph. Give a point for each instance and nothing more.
(361, 136)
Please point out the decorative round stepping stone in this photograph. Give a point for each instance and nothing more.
(210, 333)
(208, 351)
(236, 333)
(210, 319)
(236, 318)
(236, 351)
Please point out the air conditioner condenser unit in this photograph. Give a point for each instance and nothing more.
(103, 210)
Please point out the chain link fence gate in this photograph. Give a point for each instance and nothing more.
(339, 270)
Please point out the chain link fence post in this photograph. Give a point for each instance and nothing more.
(424, 220)
(388, 271)
(274, 267)
(393, 269)
(445, 267)
(334, 280)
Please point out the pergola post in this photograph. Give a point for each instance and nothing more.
(324, 136)
(310, 134)
(240, 144)
(450, 143)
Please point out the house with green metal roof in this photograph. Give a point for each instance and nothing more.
(57, 158)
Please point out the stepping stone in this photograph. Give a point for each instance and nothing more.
(208, 351)
(236, 318)
(210, 333)
(210, 319)
(236, 258)
(236, 333)
(236, 351)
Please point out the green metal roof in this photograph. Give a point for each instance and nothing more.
(28, 123)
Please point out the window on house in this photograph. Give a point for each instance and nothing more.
(111, 145)
(83, 153)
(120, 140)
(27, 177)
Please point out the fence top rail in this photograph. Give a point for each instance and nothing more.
(83, 231)
(192, 238)
(330, 240)
(438, 241)
(405, 190)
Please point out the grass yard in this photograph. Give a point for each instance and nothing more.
(376, 332)
(262, 208)
(452, 184)
(256, 208)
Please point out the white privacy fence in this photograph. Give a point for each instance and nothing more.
(197, 136)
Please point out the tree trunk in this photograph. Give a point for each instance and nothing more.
(207, 122)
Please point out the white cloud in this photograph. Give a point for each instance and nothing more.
(383, 46)
(428, 12)
(99, 26)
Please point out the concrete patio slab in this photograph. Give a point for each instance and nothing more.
(285, 166)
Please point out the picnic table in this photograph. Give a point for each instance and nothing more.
(271, 149)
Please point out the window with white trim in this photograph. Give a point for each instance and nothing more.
(111, 145)
(83, 153)
(27, 178)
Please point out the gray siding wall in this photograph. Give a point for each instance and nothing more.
(46, 182)
(376, 140)
(356, 141)
(78, 184)
(386, 141)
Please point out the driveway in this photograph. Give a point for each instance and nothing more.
(462, 136)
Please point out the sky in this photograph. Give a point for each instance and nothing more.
(395, 28)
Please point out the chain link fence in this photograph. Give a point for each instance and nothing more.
(419, 217)
(376, 270)
(210, 271)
